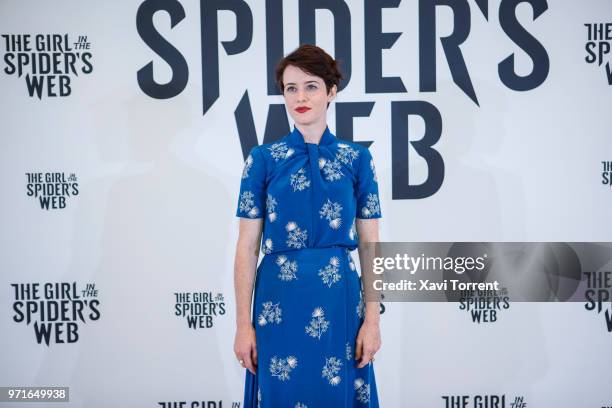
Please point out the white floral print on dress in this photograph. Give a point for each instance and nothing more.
(296, 238)
(331, 369)
(247, 204)
(280, 151)
(372, 206)
(267, 246)
(349, 352)
(352, 231)
(373, 170)
(271, 207)
(331, 212)
(360, 309)
(287, 268)
(322, 161)
(247, 166)
(330, 275)
(363, 390)
(346, 154)
(258, 397)
(318, 324)
(332, 170)
(281, 367)
(271, 313)
(299, 181)
(300, 405)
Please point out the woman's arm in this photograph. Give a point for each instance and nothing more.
(368, 339)
(245, 266)
(367, 231)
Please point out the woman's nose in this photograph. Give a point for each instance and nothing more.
(301, 96)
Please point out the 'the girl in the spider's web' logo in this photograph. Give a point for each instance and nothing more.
(48, 62)
(52, 189)
(55, 309)
(199, 308)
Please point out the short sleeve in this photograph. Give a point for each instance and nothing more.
(366, 188)
(251, 200)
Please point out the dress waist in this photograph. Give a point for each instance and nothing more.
(310, 252)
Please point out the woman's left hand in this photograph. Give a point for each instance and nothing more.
(368, 342)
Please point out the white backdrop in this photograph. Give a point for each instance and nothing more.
(158, 185)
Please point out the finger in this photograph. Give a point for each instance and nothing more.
(254, 355)
(368, 353)
(365, 360)
(358, 348)
(248, 364)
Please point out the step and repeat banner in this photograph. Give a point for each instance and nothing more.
(125, 126)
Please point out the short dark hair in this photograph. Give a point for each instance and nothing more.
(314, 61)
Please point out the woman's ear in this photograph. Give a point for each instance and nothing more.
(332, 93)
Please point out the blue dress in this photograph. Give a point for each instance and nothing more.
(308, 302)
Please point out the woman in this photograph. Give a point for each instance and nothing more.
(311, 341)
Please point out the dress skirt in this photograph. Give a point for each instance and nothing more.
(308, 308)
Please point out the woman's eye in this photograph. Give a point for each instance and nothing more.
(311, 86)
(290, 89)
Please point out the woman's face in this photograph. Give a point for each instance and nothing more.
(306, 97)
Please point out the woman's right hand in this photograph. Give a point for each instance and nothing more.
(245, 347)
